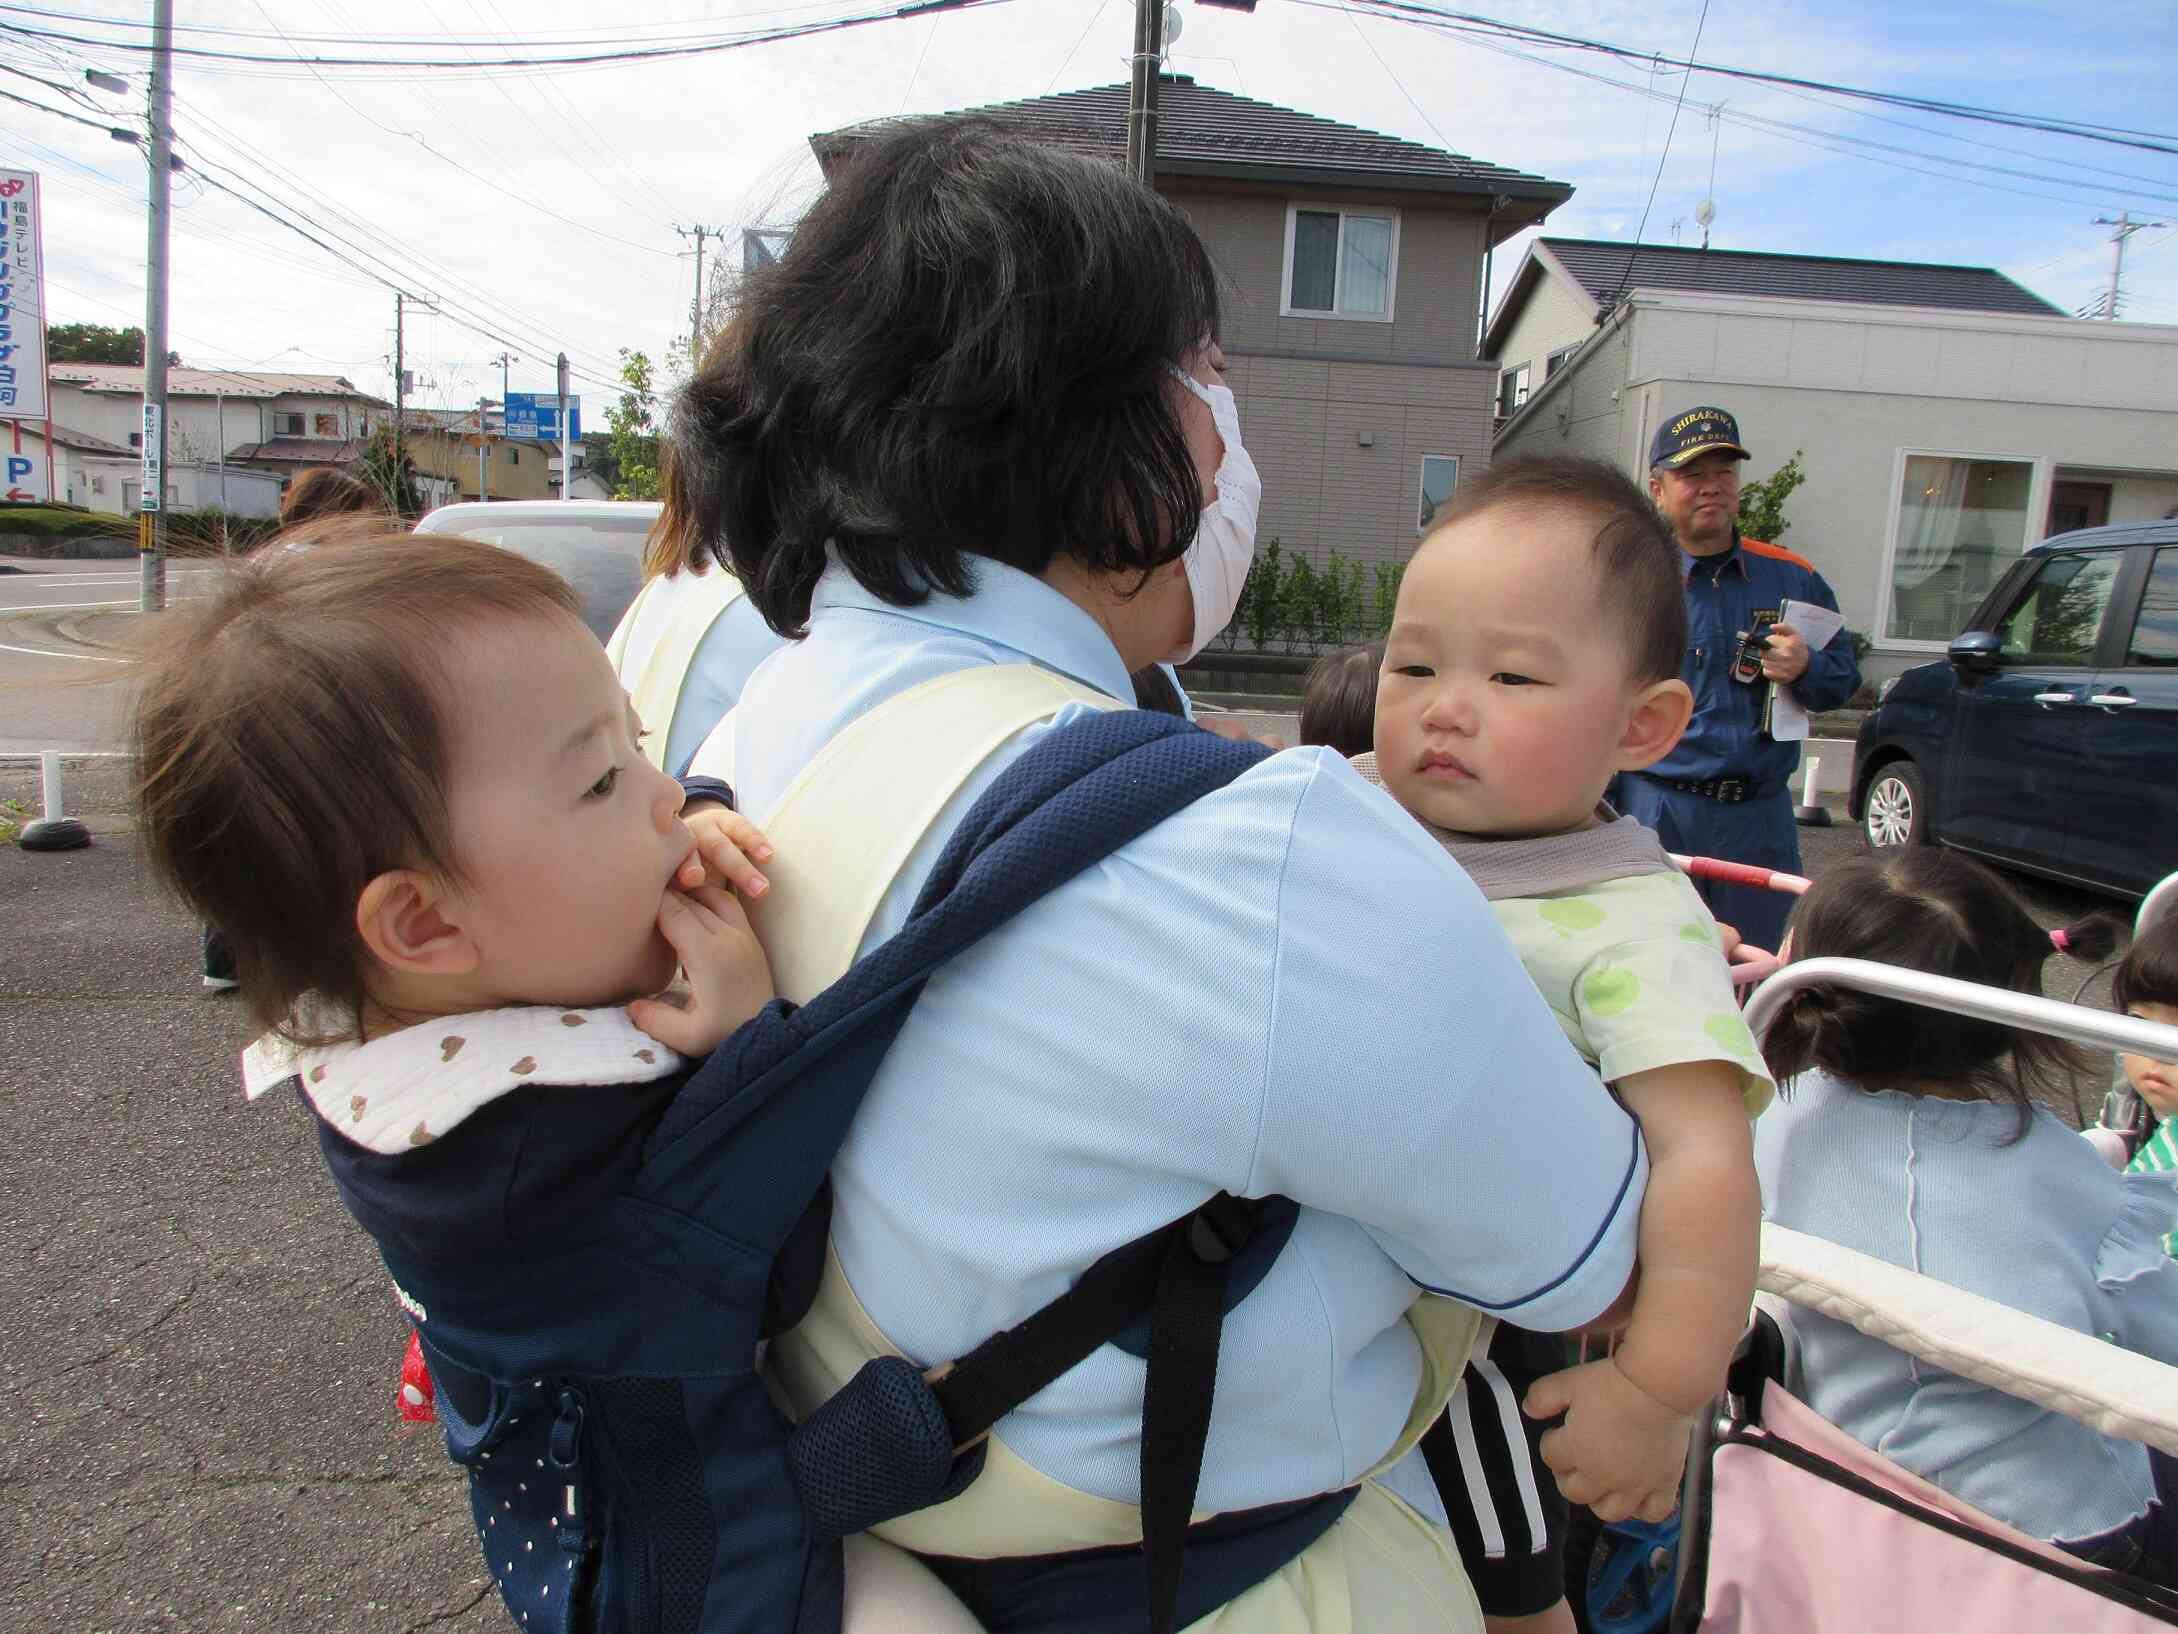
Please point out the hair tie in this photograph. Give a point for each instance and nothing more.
(2059, 940)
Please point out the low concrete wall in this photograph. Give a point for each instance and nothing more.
(88, 547)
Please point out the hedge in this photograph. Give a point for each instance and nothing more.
(1292, 604)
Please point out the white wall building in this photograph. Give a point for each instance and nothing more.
(1937, 444)
(216, 412)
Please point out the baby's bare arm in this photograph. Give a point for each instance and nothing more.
(1701, 1231)
(1622, 1448)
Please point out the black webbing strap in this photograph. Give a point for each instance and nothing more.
(1175, 1273)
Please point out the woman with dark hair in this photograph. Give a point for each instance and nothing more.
(970, 442)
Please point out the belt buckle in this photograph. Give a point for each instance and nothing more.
(1733, 791)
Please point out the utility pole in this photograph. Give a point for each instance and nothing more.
(2126, 227)
(1148, 59)
(483, 454)
(151, 499)
(400, 406)
(699, 233)
(567, 441)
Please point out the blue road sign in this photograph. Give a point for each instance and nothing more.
(536, 415)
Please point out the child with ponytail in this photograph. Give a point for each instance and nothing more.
(1916, 1136)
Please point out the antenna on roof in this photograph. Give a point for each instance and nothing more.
(1707, 212)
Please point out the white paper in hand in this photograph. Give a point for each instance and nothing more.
(1816, 624)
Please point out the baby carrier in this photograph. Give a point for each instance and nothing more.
(628, 1469)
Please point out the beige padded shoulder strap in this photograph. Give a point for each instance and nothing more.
(656, 687)
(847, 824)
(2102, 1385)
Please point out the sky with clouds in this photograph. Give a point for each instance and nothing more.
(542, 206)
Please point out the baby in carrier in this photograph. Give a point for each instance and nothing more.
(403, 778)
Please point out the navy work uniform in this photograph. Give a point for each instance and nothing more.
(1724, 791)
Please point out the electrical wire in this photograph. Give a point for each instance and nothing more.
(1804, 135)
(581, 59)
(1662, 159)
(1469, 22)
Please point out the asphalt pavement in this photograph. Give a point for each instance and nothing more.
(59, 621)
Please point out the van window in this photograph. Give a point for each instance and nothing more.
(2155, 631)
(2059, 612)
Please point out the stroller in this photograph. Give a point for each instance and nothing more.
(1791, 1526)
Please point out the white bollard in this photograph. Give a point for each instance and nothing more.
(1810, 812)
(53, 831)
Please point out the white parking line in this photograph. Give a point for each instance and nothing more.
(47, 652)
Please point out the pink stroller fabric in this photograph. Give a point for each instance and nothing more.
(1794, 1551)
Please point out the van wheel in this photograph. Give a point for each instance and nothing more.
(1897, 812)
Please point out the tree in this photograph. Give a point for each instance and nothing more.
(397, 487)
(96, 343)
(633, 446)
(1762, 504)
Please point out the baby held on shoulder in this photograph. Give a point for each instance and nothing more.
(1533, 656)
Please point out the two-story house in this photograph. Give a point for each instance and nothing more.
(282, 423)
(1944, 417)
(1355, 272)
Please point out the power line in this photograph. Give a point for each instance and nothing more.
(1826, 141)
(585, 59)
(297, 185)
(1470, 22)
(1662, 159)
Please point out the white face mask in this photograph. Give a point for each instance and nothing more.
(1217, 562)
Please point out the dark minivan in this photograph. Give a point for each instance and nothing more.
(2047, 739)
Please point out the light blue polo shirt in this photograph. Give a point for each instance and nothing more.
(1286, 988)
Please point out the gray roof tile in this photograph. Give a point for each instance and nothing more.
(1202, 131)
(1602, 270)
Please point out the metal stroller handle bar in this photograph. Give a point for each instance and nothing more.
(2103, 1386)
(2108, 1388)
(1998, 1004)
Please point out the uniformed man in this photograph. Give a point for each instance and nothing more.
(1723, 792)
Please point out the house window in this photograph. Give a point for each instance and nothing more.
(326, 425)
(289, 425)
(1960, 522)
(1440, 475)
(1512, 391)
(514, 456)
(1341, 263)
(1550, 363)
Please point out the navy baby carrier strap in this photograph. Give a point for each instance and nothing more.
(628, 1468)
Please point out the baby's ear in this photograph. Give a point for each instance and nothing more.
(1654, 724)
(402, 917)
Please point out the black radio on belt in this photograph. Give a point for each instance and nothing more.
(1747, 657)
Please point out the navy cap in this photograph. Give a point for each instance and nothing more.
(1697, 432)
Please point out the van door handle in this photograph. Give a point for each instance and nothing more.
(2055, 698)
(2114, 700)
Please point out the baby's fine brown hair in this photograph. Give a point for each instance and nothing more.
(1640, 585)
(291, 745)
